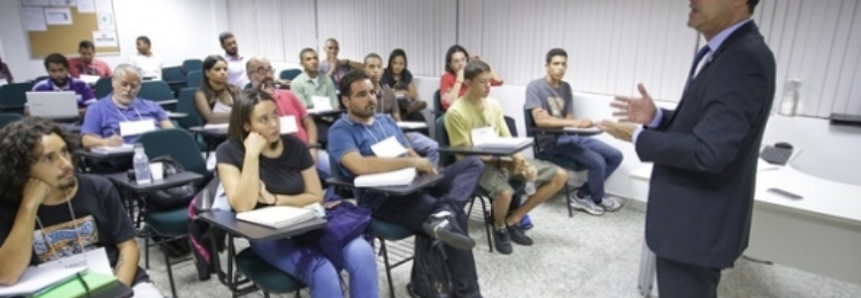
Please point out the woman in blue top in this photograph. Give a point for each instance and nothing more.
(260, 167)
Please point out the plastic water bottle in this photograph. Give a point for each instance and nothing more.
(141, 164)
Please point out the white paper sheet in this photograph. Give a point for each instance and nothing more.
(36, 2)
(58, 16)
(106, 20)
(62, 2)
(34, 18)
(104, 39)
(86, 6)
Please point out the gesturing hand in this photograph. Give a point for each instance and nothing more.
(638, 110)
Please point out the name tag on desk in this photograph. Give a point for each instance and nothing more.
(95, 261)
(134, 128)
(389, 147)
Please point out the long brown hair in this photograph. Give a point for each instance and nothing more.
(240, 115)
(211, 94)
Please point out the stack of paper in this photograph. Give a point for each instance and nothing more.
(501, 142)
(89, 79)
(276, 217)
(124, 148)
(222, 126)
(394, 178)
(583, 129)
(36, 279)
(321, 104)
(412, 124)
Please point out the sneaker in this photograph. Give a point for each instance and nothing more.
(610, 204)
(442, 226)
(585, 205)
(518, 235)
(502, 241)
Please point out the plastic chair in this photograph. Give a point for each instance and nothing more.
(190, 65)
(103, 88)
(8, 118)
(539, 153)
(194, 78)
(13, 97)
(185, 104)
(289, 74)
(383, 230)
(174, 76)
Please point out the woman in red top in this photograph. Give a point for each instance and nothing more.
(451, 86)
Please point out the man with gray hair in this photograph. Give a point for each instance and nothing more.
(121, 117)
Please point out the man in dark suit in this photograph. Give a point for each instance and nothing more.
(705, 152)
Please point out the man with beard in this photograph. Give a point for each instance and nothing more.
(48, 212)
(235, 63)
(333, 67)
(436, 211)
(58, 79)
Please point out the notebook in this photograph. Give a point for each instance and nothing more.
(36, 279)
(394, 178)
(581, 129)
(89, 79)
(412, 124)
(222, 126)
(124, 148)
(503, 143)
(276, 217)
(75, 287)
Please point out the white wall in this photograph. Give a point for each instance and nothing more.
(178, 30)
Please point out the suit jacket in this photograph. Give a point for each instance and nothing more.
(705, 154)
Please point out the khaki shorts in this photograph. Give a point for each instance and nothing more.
(495, 180)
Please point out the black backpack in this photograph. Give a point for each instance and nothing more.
(431, 277)
(174, 197)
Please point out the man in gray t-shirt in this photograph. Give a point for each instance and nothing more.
(549, 100)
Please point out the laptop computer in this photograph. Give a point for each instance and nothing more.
(53, 104)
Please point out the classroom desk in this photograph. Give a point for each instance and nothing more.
(479, 150)
(421, 182)
(569, 131)
(122, 179)
(821, 233)
(217, 133)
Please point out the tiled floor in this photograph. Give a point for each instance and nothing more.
(583, 256)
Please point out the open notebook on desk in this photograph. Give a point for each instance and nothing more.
(277, 217)
(394, 178)
(37, 279)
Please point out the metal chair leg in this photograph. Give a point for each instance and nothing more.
(487, 223)
(146, 253)
(568, 201)
(388, 267)
(170, 275)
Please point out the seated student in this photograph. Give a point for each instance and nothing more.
(400, 79)
(5, 74)
(260, 73)
(121, 117)
(259, 167)
(48, 211)
(387, 103)
(550, 101)
(310, 83)
(333, 67)
(436, 211)
(215, 97)
(451, 86)
(476, 111)
(148, 64)
(86, 64)
(58, 80)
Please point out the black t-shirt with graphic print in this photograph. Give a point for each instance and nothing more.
(100, 220)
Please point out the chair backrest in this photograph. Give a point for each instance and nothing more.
(289, 74)
(7, 118)
(179, 144)
(194, 78)
(512, 126)
(190, 65)
(529, 122)
(103, 87)
(14, 95)
(172, 74)
(441, 136)
(185, 104)
(437, 101)
(155, 91)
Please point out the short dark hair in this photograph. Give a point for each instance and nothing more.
(305, 50)
(240, 114)
(223, 36)
(56, 58)
(451, 51)
(86, 44)
(751, 5)
(144, 39)
(475, 68)
(556, 52)
(373, 55)
(348, 80)
(18, 140)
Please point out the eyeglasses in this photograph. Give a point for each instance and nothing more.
(265, 71)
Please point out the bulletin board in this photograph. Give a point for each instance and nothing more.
(57, 26)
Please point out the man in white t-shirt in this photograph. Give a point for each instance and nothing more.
(148, 63)
(236, 74)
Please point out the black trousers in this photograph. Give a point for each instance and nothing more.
(451, 194)
(681, 280)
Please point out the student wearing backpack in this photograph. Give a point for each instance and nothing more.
(260, 167)
(355, 142)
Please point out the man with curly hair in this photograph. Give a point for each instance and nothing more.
(49, 212)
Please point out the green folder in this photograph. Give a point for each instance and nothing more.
(75, 288)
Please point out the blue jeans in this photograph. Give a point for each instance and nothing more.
(424, 146)
(598, 158)
(325, 172)
(324, 282)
